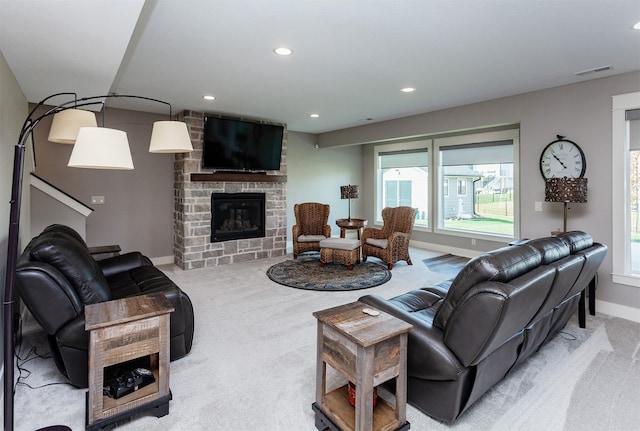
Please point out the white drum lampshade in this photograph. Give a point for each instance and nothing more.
(101, 148)
(67, 123)
(170, 137)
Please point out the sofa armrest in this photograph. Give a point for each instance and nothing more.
(427, 355)
(396, 239)
(371, 232)
(48, 295)
(123, 262)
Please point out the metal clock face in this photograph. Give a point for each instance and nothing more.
(562, 158)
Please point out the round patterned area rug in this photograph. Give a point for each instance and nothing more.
(306, 273)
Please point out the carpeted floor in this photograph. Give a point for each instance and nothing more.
(305, 273)
(252, 366)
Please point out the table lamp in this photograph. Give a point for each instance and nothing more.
(349, 192)
(565, 190)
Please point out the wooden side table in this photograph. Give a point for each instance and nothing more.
(367, 350)
(351, 224)
(121, 331)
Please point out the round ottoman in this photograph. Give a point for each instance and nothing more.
(340, 250)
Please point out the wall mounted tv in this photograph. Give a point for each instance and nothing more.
(238, 145)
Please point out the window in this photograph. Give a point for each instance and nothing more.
(462, 186)
(403, 178)
(626, 189)
(475, 192)
(484, 166)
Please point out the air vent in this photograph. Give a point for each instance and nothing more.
(594, 70)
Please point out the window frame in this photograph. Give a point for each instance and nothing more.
(620, 252)
(426, 144)
(435, 187)
(437, 178)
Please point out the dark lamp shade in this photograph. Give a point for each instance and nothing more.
(349, 192)
(565, 189)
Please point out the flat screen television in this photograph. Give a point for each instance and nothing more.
(237, 145)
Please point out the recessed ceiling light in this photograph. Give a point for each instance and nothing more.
(408, 90)
(209, 97)
(636, 26)
(283, 51)
(314, 115)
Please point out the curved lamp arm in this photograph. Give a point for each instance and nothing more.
(14, 227)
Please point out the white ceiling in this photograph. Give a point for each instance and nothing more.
(350, 60)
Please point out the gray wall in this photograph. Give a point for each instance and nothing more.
(138, 209)
(316, 174)
(581, 112)
(47, 210)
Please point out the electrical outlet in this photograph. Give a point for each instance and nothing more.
(473, 241)
(97, 200)
(537, 206)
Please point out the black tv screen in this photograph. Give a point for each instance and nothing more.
(239, 145)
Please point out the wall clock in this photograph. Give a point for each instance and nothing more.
(562, 158)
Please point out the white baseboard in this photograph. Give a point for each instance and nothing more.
(162, 260)
(444, 249)
(617, 310)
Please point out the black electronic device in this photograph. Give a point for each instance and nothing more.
(128, 382)
(238, 145)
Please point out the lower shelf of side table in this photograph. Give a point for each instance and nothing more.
(158, 407)
(338, 414)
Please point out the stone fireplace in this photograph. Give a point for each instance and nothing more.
(196, 244)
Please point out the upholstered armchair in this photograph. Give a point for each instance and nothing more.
(311, 227)
(391, 243)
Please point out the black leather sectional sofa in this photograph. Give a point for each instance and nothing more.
(57, 276)
(500, 309)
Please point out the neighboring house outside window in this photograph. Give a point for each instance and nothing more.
(460, 205)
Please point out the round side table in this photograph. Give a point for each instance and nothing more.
(351, 224)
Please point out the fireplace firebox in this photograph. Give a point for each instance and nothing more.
(237, 216)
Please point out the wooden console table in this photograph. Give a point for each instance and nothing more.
(368, 351)
(121, 331)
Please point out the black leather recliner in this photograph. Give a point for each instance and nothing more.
(57, 276)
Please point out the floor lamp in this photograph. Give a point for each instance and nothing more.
(349, 192)
(565, 190)
(95, 148)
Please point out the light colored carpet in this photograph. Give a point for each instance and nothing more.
(252, 366)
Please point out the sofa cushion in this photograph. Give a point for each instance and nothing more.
(552, 249)
(501, 265)
(340, 243)
(67, 256)
(311, 238)
(380, 243)
(577, 240)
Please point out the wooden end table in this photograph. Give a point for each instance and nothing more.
(368, 351)
(121, 331)
(351, 224)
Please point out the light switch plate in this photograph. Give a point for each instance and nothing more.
(97, 200)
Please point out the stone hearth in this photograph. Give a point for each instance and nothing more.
(192, 214)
